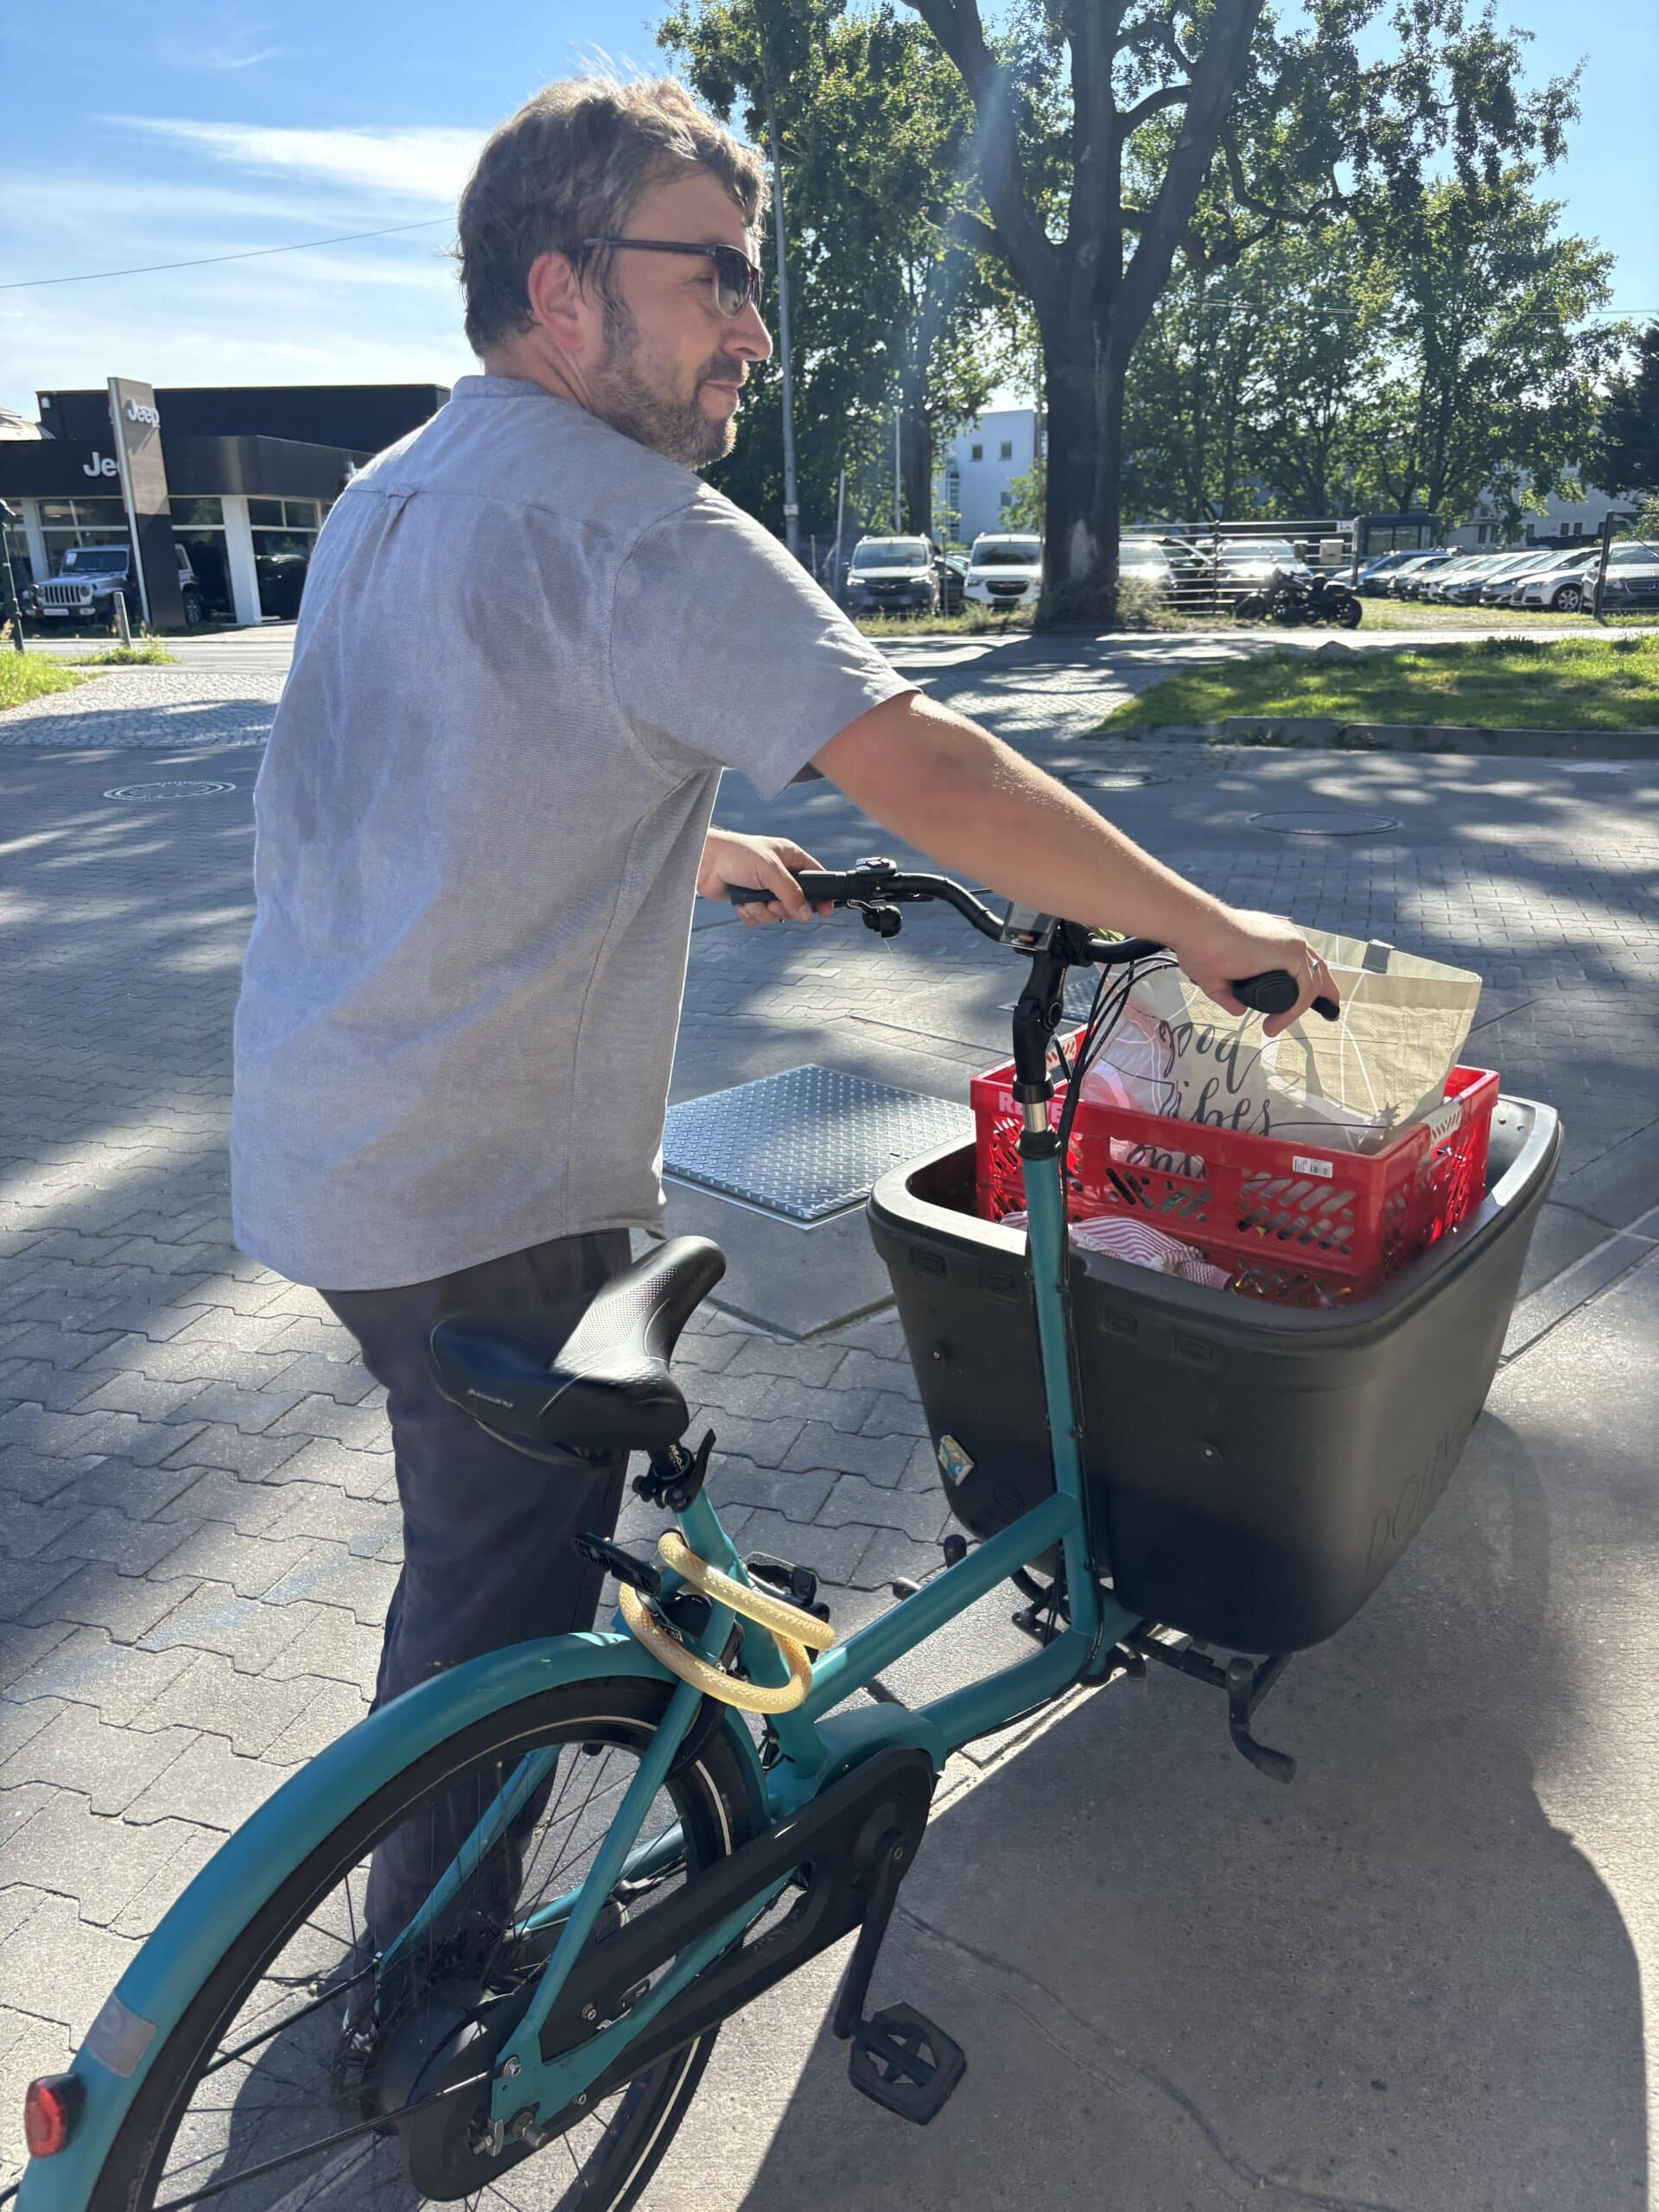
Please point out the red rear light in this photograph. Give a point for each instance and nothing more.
(51, 2108)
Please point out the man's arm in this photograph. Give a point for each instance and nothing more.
(959, 794)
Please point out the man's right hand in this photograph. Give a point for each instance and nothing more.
(980, 810)
(1225, 950)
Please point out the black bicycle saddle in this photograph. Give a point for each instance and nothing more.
(603, 1386)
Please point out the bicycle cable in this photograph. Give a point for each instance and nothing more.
(1111, 997)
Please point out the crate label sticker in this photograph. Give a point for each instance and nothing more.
(955, 1463)
(1305, 1164)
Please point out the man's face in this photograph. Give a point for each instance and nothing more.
(671, 363)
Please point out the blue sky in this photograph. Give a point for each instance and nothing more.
(140, 136)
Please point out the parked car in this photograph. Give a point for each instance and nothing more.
(1410, 582)
(1005, 571)
(281, 583)
(1253, 562)
(1564, 586)
(1146, 561)
(892, 576)
(950, 573)
(1497, 589)
(1374, 575)
(1632, 577)
(83, 591)
(1394, 582)
(1457, 571)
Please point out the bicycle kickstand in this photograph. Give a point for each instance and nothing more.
(899, 2058)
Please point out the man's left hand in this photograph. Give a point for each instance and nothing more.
(758, 864)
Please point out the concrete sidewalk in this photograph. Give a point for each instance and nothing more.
(1412, 1979)
(200, 1535)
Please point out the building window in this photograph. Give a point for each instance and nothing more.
(23, 568)
(1005, 452)
(282, 514)
(65, 522)
(1004, 501)
(198, 514)
(975, 453)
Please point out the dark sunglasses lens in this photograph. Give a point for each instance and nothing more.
(736, 282)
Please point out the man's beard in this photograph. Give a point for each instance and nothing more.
(675, 428)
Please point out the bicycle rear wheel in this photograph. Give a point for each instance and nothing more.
(249, 2108)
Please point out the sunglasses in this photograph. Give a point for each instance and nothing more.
(737, 280)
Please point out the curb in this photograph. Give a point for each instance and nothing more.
(1316, 733)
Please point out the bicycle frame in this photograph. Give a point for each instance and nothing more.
(816, 1746)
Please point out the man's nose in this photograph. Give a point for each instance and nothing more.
(750, 339)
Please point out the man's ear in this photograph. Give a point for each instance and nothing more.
(556, 301)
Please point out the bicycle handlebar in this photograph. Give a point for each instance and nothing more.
(879, 883)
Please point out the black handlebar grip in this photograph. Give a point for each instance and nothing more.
(1274, 991)
(819, 885)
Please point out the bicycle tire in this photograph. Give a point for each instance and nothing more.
(713, 1802)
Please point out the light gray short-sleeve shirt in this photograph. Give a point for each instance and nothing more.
(528, 647)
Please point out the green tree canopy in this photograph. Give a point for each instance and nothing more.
(887, 307)
(1626, 455)
(1118, 137)
(1381, 361)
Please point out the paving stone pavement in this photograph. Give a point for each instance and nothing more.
(147, 709)
(196, 1500)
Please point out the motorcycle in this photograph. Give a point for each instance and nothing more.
(1295, 600)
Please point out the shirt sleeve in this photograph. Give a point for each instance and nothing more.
(725, 652)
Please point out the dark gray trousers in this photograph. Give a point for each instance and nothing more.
(488, 1559)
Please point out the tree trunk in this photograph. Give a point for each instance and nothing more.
(915, 461)
(1082, 391)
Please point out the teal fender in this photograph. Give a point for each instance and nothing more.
(153, 1994)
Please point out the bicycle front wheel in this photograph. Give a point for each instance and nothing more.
(289, 2081)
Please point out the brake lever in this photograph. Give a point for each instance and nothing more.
(1274, 991)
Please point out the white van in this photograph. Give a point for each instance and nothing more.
(1005, 569)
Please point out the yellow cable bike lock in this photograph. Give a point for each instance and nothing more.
(796, 1633)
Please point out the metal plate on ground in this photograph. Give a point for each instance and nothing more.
(1324, 822)
(805, 1144)
(1110, 779)
(168, 790)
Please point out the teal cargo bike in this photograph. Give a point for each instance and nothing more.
(663, 1822)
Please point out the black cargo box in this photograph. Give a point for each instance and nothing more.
(1252, 1472)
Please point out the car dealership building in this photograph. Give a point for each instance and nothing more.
(250, 473)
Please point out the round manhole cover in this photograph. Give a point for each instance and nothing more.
(1324, 822)
(1110, 779)
(166, 790)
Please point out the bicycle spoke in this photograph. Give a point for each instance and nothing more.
(277, 2127)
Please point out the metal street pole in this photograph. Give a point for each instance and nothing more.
(11, 606)
(897, 418)
(791, 502)
(1601, 589)
(841, 511)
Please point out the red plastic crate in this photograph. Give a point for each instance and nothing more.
(1346, 1218)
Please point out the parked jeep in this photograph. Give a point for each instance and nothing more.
(83, 591)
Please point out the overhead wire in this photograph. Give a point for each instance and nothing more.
(210, 260)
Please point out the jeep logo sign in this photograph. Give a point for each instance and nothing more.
(135, 421)
(101, 464)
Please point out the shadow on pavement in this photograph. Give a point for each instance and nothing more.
(1402, 1983)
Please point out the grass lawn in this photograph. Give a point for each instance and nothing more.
(1422, 614)
(1570, 682)
(31, 675)
(972, 622)
(149, 654)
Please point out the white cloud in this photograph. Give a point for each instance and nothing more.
(229, 54)
(425, 166)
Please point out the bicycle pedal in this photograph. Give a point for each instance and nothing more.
(902, 2062)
